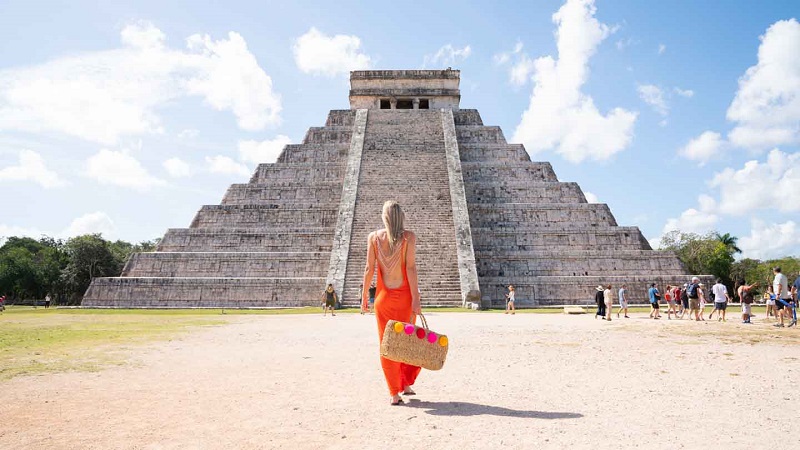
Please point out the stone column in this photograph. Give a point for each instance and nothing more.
(416, 103)
(347, 206)
(468, 275)
(393, 103)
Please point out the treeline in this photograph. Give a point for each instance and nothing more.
(714, 254)
(30, 269)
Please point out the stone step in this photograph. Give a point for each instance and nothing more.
(328, 135)
(514, 191)
(314, 153)
(246, 239)
(341, 118)
(155, 292)
(227, 264)
(477, 133)
(298, 172)
(541, 214)
(262, 216)
(480, 172)
(492, 152)
(467, 117)
(323, 193)
(530, 237)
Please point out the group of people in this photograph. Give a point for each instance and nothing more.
(693, 297)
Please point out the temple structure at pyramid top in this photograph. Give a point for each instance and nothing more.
(485, 215)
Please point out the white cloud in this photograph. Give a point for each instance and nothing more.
(103, 96)
(622, 44)
(661, 49)
(96, 222)
(263, 152)
(523, 67)
(177, 168)
(7, 231)
(318, 54)
(447, 56)
(189, 133)
(226, 166)
(521, 71)
(767, 185)
(771, 241)
(703, 148)
(31, 168)
(766, 108)
(561, 117)
(688, 93)
(120, 169)
(653, 96)
(590, 198)
(695, 220)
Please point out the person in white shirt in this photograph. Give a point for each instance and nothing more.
(623, 301)
(780, 286)
(721, 300)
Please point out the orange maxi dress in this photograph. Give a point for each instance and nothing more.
(394, 304)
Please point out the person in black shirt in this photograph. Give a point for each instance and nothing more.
(601, 304)
(329, 297)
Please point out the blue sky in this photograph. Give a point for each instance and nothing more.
(126, 118)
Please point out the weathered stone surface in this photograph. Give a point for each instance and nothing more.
(485, 216)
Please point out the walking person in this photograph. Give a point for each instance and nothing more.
(721, 300)
(47, 301)
(668, 297)
(2, 303)
(745, 292)
(701, 295)
(655, 296)
(693, 293)
(392, 252)
(623, 301)
(769, 300)
(608, 299)
(599, 298)
(783, 298)
(510, 300)
(371, 298)
(329, 299)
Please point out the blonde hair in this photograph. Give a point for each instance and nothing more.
(393, 218)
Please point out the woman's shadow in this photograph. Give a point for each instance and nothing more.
(473, 409)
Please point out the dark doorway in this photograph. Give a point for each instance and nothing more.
(405, 104)
(385, 104)
(423, 103)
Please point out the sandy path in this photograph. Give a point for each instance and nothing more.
(521, 381)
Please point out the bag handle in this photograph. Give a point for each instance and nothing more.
(424, 322)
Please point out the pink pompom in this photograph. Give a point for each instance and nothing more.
(409, 329)
(432, 337)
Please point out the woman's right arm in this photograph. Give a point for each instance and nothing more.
(411, 271)
(369, 271)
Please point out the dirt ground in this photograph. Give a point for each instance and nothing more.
(523, 381)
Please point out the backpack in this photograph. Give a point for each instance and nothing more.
(692, 290)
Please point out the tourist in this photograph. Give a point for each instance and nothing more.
(769, 300)
(684, 296)
(655, 296)
(608, 300)
(623, 301)
(745, 292)
(783, 298)
(668, 297)
(701, 294)
(510, 300)
(397, 292)
(47, 301)
(721, 299)
(371, 297)
(599, 298)
(329, 300)
(693, 292)
(678, 299)
(2, 303)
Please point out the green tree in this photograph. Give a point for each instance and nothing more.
(89, 256)
(702, 254)
(729, 242)
(30, 269)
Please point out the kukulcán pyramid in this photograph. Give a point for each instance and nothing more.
(486, 216)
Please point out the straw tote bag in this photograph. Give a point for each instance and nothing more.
(417, 346)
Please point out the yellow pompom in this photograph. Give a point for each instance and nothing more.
(443, 341)
(398, 327)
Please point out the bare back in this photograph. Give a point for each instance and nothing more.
(391, 262)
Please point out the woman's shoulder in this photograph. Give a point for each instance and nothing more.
(410, 235)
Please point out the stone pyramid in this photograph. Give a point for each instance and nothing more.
(486, 216)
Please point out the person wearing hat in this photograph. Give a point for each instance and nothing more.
(599, 298)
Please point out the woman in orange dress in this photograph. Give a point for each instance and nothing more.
(397, 291)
